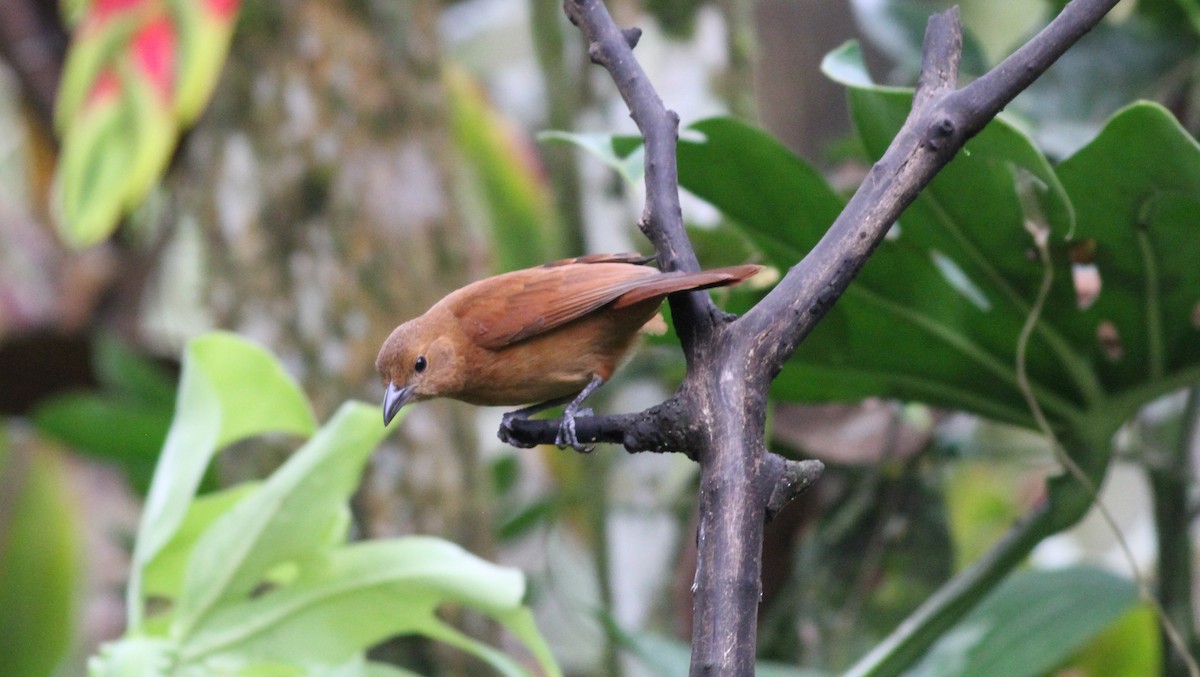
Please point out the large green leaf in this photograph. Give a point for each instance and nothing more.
(369, 591)
(256, 579)
(163, 575)
(1137, 191)
(291, 515)
(1030, 624)
(216, 406)
(935, 314)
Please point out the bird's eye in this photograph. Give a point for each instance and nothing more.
(421, 364)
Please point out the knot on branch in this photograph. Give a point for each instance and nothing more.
(939, 133)
(596, 53)
(632, 36)
(787, 480)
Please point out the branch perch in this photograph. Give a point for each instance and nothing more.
(718, 416)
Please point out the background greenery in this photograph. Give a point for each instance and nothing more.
(357, 160)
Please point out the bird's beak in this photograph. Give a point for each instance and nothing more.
(393, 399)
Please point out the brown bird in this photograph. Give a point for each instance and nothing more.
(547, 335)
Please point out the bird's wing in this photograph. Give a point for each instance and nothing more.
(509, 308)
(503, 310)
(670, 283)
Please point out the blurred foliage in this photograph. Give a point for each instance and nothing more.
(39, 561)
(1032, 623)
(259, 578)
(136, 75)
(126, 422)
(524, 227)
(947, 291)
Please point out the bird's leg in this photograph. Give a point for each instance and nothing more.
(506, 432)
(566, 430)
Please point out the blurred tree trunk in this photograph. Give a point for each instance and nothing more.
(323, 182)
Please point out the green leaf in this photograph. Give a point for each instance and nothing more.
(1130, 646)
(623, 154)
(1030, 624)
(39, 562)
(368, 592)
(229, 390)
(1137, 189)
(290, 516)
(132, 657)
(128, 373)
(1115, 63)
(753, 179)
(948, 291)
(163, 575)
(124, 432)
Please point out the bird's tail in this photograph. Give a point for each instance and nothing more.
(674, 282)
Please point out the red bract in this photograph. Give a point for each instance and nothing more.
(103, 9)
(106, 87)
(154, 54)
(222, 9)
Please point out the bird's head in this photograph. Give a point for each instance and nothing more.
(417, 362)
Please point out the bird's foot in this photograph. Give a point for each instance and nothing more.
(506, 433)
(566, 432)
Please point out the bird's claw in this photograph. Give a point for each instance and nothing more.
(566, 433)
(508, 436)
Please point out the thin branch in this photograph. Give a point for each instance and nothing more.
(665, 427)
(662, 217)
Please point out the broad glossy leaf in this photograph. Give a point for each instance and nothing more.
(932, 317)
(1115, 63)
(752, 178)
(1137, 191)
(367, 591)
(290, 516)
(216, 406)
(1030, 624)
